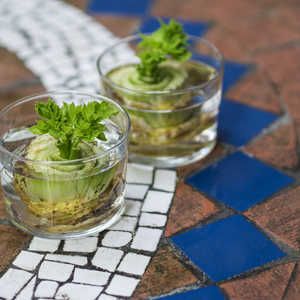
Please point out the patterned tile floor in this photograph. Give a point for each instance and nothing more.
(232, 229)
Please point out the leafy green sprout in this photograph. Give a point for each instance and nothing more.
(169, 41)
(71, 124)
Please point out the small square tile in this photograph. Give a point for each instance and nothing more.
(116, 239)
(125, 224)
(46, 289)
(133, 208)
(51, 270)
(28, 260)
(165, 180)
(71, 259)
(152, 220)
(122, 286)
(107, 297)
(191, 28)
(76, 291)
(120, 7)
(90, 276)
(239, 181)
(206, 293)
(88, 244)
(146, 239)
(240, 123)
(44, 245)
(107, 259)
(136, 191)
(134, 263)
(27, 291)
(157, 202)
(227, 247)
(137, 173)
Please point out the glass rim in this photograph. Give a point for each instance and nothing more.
(166, 92)
(87, 159)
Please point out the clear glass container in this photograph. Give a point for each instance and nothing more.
(172, 127)
(67, 198)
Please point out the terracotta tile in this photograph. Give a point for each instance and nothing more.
(12, 69)
(188, 169)
(81, 4)
(11, 242)
(266, 285)
(278, 148)
(188, 209)
(121, 26)
(293, 291)
(162, 275)
(280, 217)
(255, 90)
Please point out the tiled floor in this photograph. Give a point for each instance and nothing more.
(233, 228)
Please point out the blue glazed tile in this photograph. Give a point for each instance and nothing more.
(239, 181)
(227, 247)
(121, 7)
(233, 72)
(207, 293)
(239, 123)
(192, 28)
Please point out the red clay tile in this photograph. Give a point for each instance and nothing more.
(81, 4)
(11, 242)
(164, 274)
(278, 148)
(280, 217)
(293, 291)
(266, 285)
(121, 26)
(188, 209)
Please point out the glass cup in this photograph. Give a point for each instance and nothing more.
(169, 128)
(67, 198)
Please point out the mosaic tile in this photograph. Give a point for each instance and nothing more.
(227, 247)
(27, 292)
(107, 259)
(44, 245)
(249, 183)
(27, 260)
(91, 277)
(72, 259)
(206, 293)
(134, 263)
(46, 289)
(106, 297)
(165, 180)
(146, 239)
(55, 271)
(88, 244)
(137, 173)
(78, 291)
(152, 220)
(192, 28)
(122, 7)
(125, 224)
(157, 202)
(132, 208)
(116, 239)
(122, 286)
(240, 123)
(135, 191)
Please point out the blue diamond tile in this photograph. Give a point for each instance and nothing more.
(233, 72)
(207, 293)
(239, 123)
(120, 7)
(227, 247)
(192, 28)
(239, 181)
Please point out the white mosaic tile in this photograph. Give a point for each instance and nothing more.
(135, 191)
(125, 224)
(133, 208)
(12, 282)
(88, 244)
(72, 259)
(107, 259)
(27, 292)
(122, 286)
(165, 180)
(44, 245)
(146, 239)
(157, 202)
(75, 291)
(106, 297)
(51, 270)
(152, 220)
(137, 173)
(46, 289)
(27, 260)
(116, 239)
(91, 277)
(134, 263)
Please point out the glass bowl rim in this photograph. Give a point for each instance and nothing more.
(166, 92)
(87, 159)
